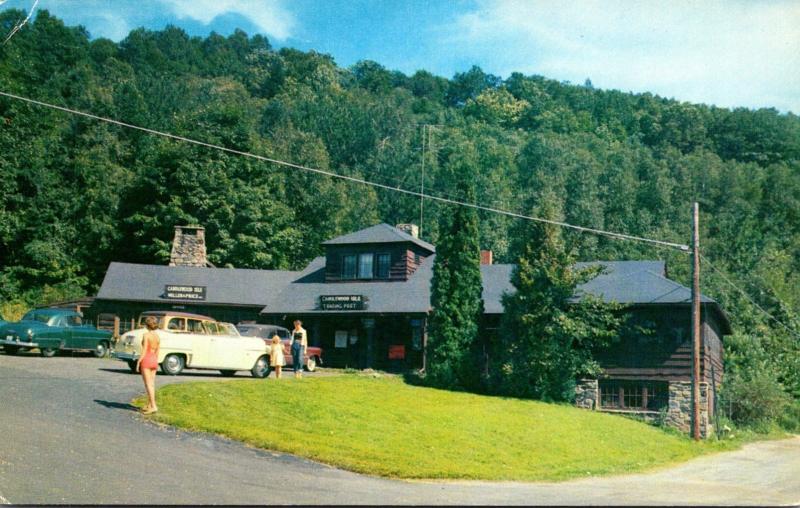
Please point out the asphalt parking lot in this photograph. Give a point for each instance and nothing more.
(70, 436)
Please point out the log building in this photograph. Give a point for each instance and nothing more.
(366, 303)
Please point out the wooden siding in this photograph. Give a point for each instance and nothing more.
(405, 258)
(666, 355)
(128, 312)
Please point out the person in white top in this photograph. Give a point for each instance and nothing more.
(299, 345)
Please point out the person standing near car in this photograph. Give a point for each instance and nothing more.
(299, 345)
(276, 355)
(147, 364)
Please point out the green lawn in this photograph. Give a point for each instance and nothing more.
(385, 427)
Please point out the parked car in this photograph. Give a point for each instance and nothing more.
(196, 342)
(313, 356)
(52, 330)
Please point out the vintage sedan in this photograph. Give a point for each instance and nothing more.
(52, 330)
(196, 342)
(313, 356)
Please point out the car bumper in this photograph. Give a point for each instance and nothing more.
(6, 342)
(125, 357)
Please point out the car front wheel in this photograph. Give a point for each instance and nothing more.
(11, 350)
(48, 352)
(311, 364)
(132, 366)
(101, 349)
(261, 368)
(173, 364)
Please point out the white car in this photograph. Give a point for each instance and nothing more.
(196, 342)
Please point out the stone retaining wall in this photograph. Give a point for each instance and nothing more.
(587, 394)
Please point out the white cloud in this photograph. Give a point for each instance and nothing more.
(734, 53)
(268, 15)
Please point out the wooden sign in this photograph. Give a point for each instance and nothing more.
(178, 292)
(341, 302)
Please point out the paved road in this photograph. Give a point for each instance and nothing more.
(69, 436)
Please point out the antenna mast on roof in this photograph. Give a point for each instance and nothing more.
(426, 128)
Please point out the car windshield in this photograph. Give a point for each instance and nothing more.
(42, 317)
(228, 329)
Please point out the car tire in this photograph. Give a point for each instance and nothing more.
(101, 350)
(11, 350)
(132, 366)
(173, 364)
(311, 364)
(48, 352)
(262, 368)
(227, 373)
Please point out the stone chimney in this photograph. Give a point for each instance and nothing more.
(486, 257)
(189, 247)
(411, 229)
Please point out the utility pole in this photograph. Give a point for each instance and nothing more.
(422, 182)
(696, 322)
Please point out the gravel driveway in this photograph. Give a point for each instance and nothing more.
(69, 436)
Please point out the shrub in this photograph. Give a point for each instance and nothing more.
(756, 400)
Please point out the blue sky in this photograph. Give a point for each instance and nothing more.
(729, 53)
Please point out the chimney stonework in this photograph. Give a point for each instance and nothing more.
(486, 257)
(411, 229)
(189, 247)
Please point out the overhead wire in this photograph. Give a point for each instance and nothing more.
(620, 236)
(747, 296)
(610, 234)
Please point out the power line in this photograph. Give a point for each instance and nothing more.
(610, 234)
(749, 298)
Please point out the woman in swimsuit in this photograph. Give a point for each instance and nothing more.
(148, 363)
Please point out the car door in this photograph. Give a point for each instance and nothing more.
(202, 347)
(76, 335)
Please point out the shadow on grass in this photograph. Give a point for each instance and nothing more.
(116, 405)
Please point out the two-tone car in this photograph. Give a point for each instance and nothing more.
(313, 354)
(53, 330)
(196, 342)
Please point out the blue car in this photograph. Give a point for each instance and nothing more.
(53, 330)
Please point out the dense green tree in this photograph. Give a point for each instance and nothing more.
(546, 338)
(453, 344)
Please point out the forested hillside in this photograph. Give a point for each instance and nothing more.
(76, 194)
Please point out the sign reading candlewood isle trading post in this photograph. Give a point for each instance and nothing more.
(176, 292)
(342, 302)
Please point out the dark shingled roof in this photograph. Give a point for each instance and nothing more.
(626, 282)
(231, 286)
(379, 233)
(302, 296)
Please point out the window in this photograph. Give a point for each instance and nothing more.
(349, 266)
(635, 395)
(74, 320)
(211, 328)
(195, 326)
(384, 260)
(176, 324)
(365, 265)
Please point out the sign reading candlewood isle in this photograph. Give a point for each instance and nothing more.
(176, 292)
(342, 302)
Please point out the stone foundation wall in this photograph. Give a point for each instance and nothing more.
(587, 394)
(679, 412)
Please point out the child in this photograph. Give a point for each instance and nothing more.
(276, 355)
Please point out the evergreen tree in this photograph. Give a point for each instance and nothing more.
(452, 359)
(546, 337)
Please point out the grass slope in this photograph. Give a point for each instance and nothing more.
(383, 426)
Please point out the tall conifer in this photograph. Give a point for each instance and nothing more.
(456, 290)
